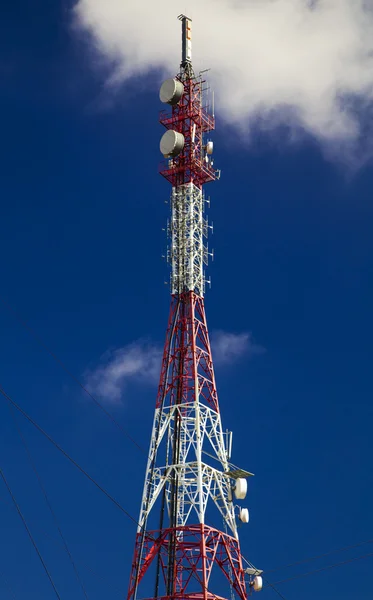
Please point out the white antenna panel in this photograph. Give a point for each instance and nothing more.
(171, 144)
(240, 489)
(258, 583)
(209, 148)
(244, 515)
(171, 91)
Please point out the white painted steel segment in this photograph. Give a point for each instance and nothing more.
(200, 429)
(188, 227)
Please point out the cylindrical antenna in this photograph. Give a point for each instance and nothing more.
(187, 40)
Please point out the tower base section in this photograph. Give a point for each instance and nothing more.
(186, 557)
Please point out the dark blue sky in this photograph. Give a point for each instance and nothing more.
(81, 217)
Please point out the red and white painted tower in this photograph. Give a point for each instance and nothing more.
(190, 483)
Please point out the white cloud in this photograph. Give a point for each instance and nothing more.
(141, 362)
(229, 347)
(306, 63)
(137, 362)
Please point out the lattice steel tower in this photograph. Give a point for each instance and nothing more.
(190, 483)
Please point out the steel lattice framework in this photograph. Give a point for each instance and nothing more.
(188, 473)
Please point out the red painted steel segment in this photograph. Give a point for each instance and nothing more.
(190, 325)
(199, 548)
(189, 166)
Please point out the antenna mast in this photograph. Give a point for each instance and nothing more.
(186, 55)
(190, 483)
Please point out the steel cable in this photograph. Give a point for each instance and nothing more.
(54, 516)
(29, 534)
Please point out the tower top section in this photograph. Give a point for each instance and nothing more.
(188, 165)
(186, 55)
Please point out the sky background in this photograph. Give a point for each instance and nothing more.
(81, 241)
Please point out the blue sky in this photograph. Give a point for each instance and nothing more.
(81, 239)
